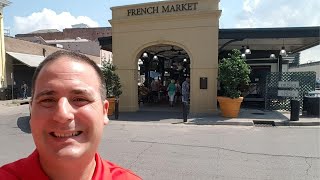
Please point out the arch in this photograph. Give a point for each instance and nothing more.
(138, 52)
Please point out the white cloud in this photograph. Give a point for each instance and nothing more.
(48, 19)
(282, 13)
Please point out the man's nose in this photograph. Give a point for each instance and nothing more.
(64, 111)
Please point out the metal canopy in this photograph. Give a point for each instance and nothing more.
(27, 59)
(294, 39)
(260, 40)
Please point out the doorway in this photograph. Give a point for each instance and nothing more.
(158, 66)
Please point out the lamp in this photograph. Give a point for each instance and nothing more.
(145, 55)
(272, 56)
(247, 51)
(283, 51)
(155, 58)
(243, 55)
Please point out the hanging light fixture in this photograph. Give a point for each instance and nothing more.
(283, 51)
(247, 51)
(272, 56)
(155, 58)
(145, 55)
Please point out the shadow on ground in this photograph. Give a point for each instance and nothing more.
(148, 116)
(23, 124)
(246, 115)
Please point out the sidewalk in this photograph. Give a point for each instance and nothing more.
(251, 117)
(247, 117)
(14, 102)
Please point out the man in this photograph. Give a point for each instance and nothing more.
(24, 88)
(186, 90)
(68, 112)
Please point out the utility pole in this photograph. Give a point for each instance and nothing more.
(3, 3)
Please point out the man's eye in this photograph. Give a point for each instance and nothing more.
(80, 99)
(47, 100)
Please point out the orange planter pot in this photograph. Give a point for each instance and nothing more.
(229, 107)
(111, 105)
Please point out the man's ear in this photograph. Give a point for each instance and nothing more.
(105, 112)
(30, 107)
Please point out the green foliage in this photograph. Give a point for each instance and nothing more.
(233, 74)
(113, 85)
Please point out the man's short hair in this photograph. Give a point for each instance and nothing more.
(74, 56)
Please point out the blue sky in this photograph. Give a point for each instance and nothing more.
(23, 16)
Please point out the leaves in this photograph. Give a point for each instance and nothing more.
(233, 74)
(113, 85)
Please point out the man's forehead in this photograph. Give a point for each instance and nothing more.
(66, 63)
(65, 68)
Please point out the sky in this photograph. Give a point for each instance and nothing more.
(24, 16)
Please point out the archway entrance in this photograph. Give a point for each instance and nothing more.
(158, 66)
(168, 28)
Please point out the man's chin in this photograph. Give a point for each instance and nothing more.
(69, 153)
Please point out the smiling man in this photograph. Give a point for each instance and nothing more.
(68, 114)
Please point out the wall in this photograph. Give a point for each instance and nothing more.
(308, 67)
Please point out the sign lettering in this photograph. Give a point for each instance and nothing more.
(288, 93)
(164, 9)
(288, 84)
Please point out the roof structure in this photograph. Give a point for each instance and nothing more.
(20, 49)
(27, 59)
(45, 31)
(262, 41)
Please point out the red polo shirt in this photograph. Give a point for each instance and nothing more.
(29, 168)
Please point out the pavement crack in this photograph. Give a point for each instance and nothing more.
(309, 166)
(225, 149)
(138, 156)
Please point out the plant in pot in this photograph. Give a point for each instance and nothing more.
(233, 76)
(113, 85)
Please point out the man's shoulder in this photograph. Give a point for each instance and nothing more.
(26, 168)
(120, 173)
(12, 170)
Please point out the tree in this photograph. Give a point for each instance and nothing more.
(233, 74)
(113, 85)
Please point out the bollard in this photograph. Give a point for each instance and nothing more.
(185, 111)
(295, 110)
(116, 109)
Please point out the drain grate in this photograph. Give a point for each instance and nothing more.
(263, 123)
(257, 113)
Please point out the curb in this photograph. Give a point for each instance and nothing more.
(250, 123)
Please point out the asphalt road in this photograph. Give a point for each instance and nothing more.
(163, 151)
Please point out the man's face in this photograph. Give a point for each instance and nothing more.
(67, 113)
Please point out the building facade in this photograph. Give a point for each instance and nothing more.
(186, 25)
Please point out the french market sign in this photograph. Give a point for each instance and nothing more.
(163, 9)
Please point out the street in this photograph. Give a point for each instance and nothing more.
(162, 151)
